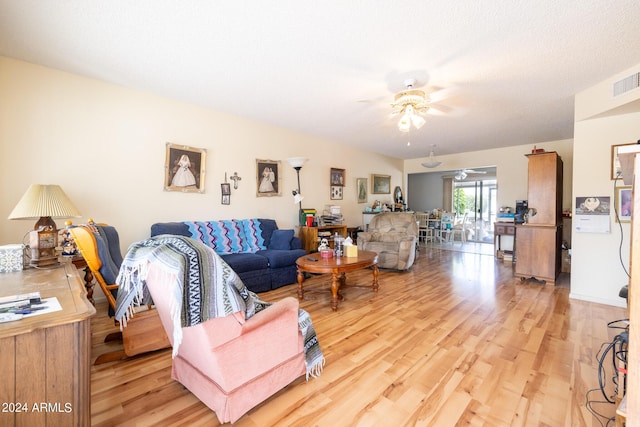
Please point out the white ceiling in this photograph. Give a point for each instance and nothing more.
(502, 72)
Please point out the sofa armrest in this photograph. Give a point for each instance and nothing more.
(285, 310)
(365, 236)
(268, 339)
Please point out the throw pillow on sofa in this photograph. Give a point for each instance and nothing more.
(281, 240)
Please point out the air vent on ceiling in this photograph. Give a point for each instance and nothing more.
(626, 84)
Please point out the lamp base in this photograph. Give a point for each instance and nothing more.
(48, 262)
(43, 242)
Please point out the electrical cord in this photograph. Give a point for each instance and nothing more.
(618, 350)
(615, 209)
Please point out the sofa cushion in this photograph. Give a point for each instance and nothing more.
(241, 263)
(280, 258)
(176, 228)
(267, 227)
(281, 240)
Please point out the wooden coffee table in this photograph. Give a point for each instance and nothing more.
(338, 267)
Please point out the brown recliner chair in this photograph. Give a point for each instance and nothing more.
(393, 236)
(99, 246)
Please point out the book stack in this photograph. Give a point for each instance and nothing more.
(331, 215)
(304, 213)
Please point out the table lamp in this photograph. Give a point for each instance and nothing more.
(44, 202)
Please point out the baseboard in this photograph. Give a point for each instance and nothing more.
(620, 302)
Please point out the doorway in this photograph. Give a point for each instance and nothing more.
(477, 198)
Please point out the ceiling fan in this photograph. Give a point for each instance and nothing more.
(412, 104)
(463, 173)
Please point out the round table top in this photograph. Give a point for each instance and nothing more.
(314, 263)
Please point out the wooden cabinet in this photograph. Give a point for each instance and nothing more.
(539, 240)
(536, 255)
(45, 359)
(544, 188)
(311, 239)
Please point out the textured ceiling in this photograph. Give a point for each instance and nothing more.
(501, 73)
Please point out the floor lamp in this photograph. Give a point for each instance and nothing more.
(297, 163)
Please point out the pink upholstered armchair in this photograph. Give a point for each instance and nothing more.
(229, 363)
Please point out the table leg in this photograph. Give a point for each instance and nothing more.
(300, 280)
(375, 278)
(88, 284)
(335, 286)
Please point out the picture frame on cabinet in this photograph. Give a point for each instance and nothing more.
(337, 177)
(623, 203)
(380, 184)
(361, 188)
(268, 178)
(184, 168)
(336, 192)
(616, 168)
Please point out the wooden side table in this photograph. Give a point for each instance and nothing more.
(504, 229)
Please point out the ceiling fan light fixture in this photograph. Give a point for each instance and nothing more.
(404, 125)
(432, 162)
(417, 121)
(410, 103)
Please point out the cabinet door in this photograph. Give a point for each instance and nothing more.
(536, 256)
(544, 189)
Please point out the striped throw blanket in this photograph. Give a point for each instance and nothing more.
(207, 288)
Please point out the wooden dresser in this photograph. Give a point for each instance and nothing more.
(45, 359)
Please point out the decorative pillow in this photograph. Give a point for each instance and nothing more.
(281, 239)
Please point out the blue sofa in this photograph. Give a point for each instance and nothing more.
(261, 254)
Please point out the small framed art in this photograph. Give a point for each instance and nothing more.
(337, 177)
(361, 185)
(225, 188)
(268, 178)
(624, 203)
(336, 192)
(184, 169)
(380, 184)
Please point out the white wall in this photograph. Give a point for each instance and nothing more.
(597, 272)
(105, 145)
(511, 167)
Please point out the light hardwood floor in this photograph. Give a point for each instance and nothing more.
(454, 341)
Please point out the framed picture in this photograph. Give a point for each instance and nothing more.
(268, 178)
(380, 184)
(336, 192)
(226, 193)
(624, 203)
(616, 169)
(337, 177)
(184, 169)
(361, 186)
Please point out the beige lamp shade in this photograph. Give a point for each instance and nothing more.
(44, 201)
